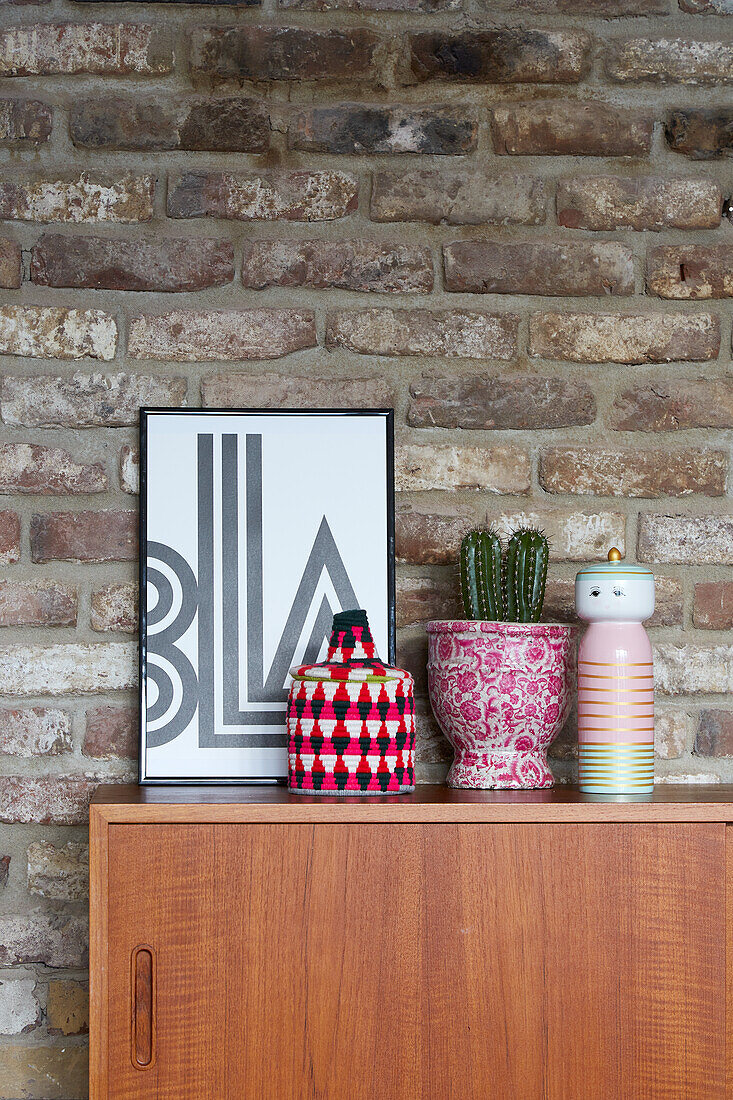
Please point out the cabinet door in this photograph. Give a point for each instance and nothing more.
(416, 962)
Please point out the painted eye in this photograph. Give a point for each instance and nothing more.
(595, 591)
(618, 591)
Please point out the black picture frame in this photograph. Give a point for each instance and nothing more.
(145, 413)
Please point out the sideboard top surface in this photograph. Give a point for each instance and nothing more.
(430, 803)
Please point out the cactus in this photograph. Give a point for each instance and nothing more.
(481, 575)
(512, 589)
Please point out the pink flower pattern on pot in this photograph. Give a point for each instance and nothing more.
(501, 694)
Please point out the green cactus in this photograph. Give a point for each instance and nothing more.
(480, 564)
(512, 589)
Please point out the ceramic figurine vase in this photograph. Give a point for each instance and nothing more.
(351, 719)
(615, 678)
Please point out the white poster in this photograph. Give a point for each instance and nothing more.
(257, 527)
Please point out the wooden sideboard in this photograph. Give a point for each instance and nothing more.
(446, 945)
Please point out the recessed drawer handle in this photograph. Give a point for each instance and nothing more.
(143, 1006)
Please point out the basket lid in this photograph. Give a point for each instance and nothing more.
(352, 654)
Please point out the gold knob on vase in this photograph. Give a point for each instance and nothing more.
(614, 554)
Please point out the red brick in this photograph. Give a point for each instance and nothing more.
(671, 61)
(129, 469)
(118, 49)
(674, 404)
(690, 272)
(638, 202)
(34, 731)
(539, 267)
(190, 336)
(625, 338)
(275, 391)
(282, 53)
(37, 603)
(86, 400)
(111, 732)
(560, 127)
(458, 198)
(78, 200)
(685, 539)
(114, 607)
(84, 536)
(715, 733)
(105, 263)
(289, 196)
(11, 274)
(508, 56)
(498, 469)
(57, 939)
(46, 800)
(30, 468)
(633, 473)
(24, 120)
(428, 6)
(9, 537)
(54, 333)
(363, 265)
(700, 133)
(359, 128)
(455, 333)
(232, 124)
(713, 607)
(420, 599)
(490, 401)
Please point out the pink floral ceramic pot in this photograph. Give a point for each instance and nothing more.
(501, 693)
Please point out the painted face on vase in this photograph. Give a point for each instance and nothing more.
(614, 591)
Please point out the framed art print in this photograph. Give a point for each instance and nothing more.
(256, 527)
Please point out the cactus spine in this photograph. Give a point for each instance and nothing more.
(512, 589)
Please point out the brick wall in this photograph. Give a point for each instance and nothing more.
(510, 219)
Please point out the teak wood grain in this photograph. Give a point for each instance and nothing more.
(412, 960)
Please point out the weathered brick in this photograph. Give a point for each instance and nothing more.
(435, 538)
(9, 537)
(232, 124)
(713, 607)
(111, 732)
(371, 5)
(114, 607)
(687, 540)
(673, 404)
(31, 468)
(643, 202)
(458, 333)
(24, 120)
(364, 265)
(86, 400)
(57, 800)
(560, 602)
(715, 733)
(282, 53)
(672, 733)
(37, 603)
(458, 198)
(84, 536)
(633, 473)
(707, 7)
(44, 1071)
(507, 56)
(420, 599)
(105, 49)
(700, 133)
(690, 272)
(693, 669)
(275, 391)
(130, 469)
(82, 199)
(671, 61)
(190, 336)
(49, 938)
(43, 332)
(539, 267)
(625, 337)
(19, 1009)
(606, 9)
(490, 401)
(104, 263)
(67, 1007)
(60, 873)
(35, 731)
(559, 127)
(67, 669)
(358, 128)
(11, 274)
(291, 196)
(498, 469)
